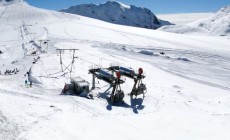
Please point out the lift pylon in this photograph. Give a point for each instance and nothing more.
(70, 66)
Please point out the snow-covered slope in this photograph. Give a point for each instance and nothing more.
(119, 13)
(216, 24)
(188, 87)
(183, 18)
(219, 23)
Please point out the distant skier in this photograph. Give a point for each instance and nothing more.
(162, 53)
(30, 83)
(26, 83)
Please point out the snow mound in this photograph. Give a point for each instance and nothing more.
(183, 59)
(182, 29)
(146, 52)
(217, 24)
(184, 18)
(119, 13)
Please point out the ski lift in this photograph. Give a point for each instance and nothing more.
(117, 94)
(138, 87)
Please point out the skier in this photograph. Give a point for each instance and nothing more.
(26, 82)
(162, 53)
(30, 83)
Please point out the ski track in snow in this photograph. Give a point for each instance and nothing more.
(203, 59)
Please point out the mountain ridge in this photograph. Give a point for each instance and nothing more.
(216, 24)
(118, 13)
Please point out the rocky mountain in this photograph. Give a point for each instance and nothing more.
(11, 1)
(2, 1)
(118, 13)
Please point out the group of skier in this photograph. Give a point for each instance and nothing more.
(28, 83)
(9, 72)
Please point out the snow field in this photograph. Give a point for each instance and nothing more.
(185, 99)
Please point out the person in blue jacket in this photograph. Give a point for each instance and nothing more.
(26, 83)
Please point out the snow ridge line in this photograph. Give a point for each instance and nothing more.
(7, 92)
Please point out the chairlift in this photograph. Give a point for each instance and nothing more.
(117, 94)
(138, 87)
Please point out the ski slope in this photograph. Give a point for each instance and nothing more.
(216, 24)
(184, 18)
(188, 88)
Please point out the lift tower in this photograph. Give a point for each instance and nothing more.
(70, 66)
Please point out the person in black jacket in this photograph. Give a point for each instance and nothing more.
(30, 83)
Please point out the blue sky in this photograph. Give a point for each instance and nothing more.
(157, 6)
